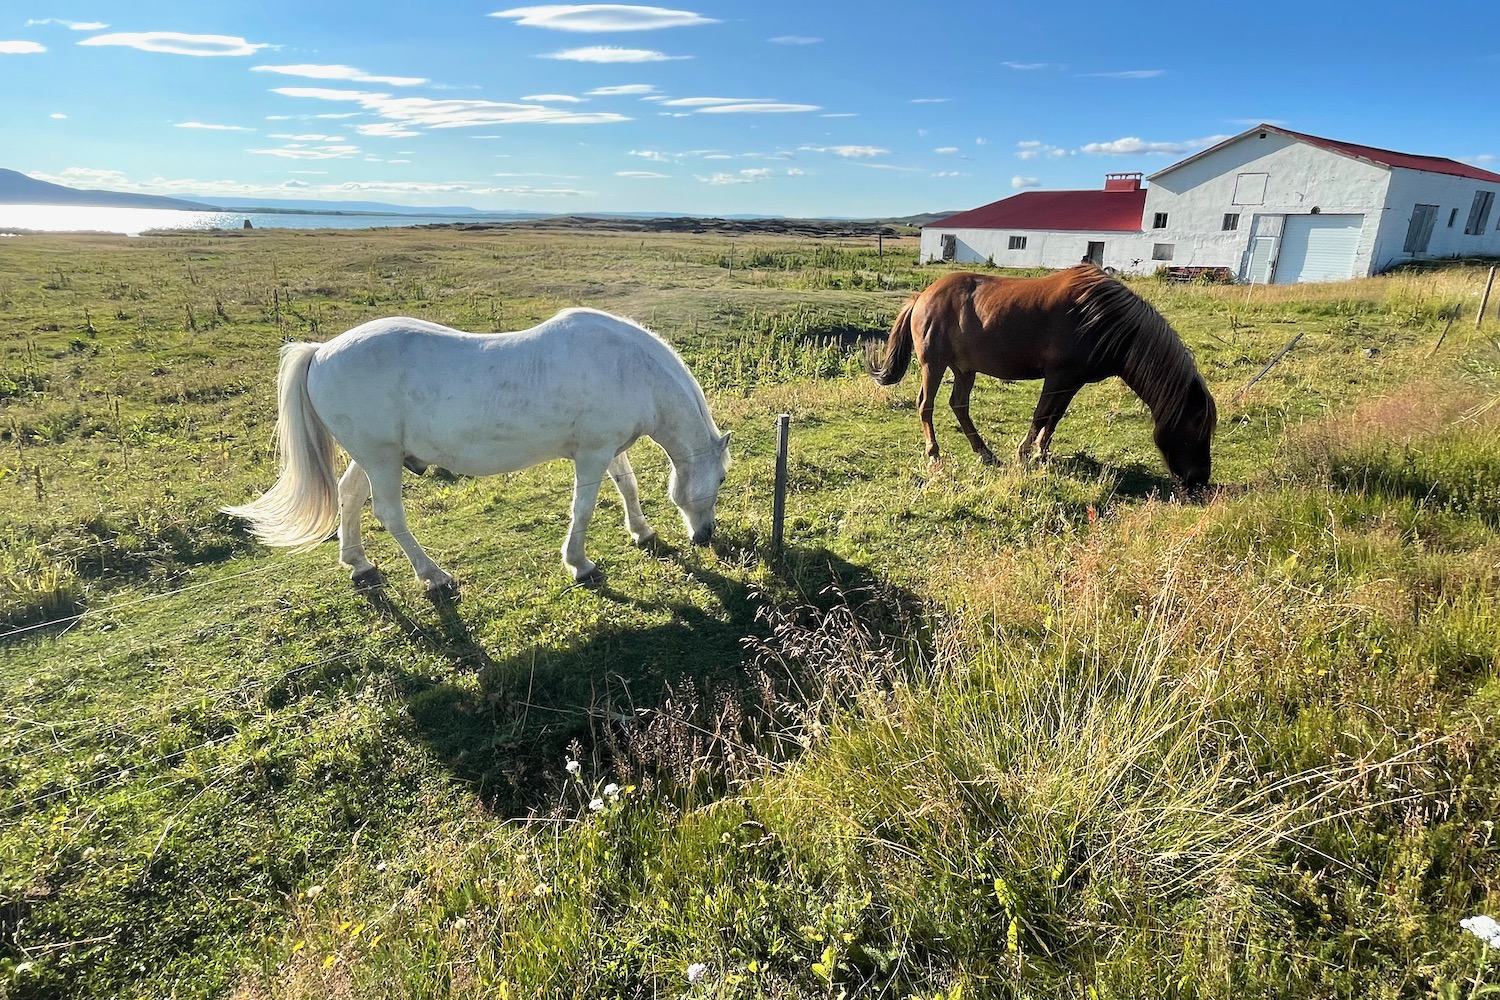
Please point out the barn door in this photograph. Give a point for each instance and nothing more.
(1262, 253)
(1095, 255)
(1419, 232)
(1318, 248)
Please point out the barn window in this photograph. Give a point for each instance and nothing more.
(1452, 218)
(1018, 243)
(1419, 230)
(1159, 221)
(1231, 221)
(1162, 251)
(1479, 212)
(1250, 189)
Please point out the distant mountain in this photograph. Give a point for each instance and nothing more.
(18, 189)
(363, 207)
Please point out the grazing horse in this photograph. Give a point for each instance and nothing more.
(584, 385)
(1068, 329)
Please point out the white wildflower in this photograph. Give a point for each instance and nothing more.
(596, 805)
(1484, 928)
(574, 767)
(695, 971)
(611, 791)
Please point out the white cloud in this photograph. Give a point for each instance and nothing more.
(1130, 146)
(640, 174)
(946, 150)
(765, 108)
(179, 44)
(611, 54)
(1129, 74)
(218, 128)
(423, 112)
(848, 152)
(314, 137)
(981, 141)
(929, 100)
(602, 17)
(320, 72)
(1030, 149)
(385, 130)
(21, 48)
(299, 151)
(623, 90)
(696, 102)
(73, 25)
(795, 172)
(58, 115)
(1018, 182)
(1030, 67)
(750, 176)
(553, 99)
(949, 173)
(650, 154)
(794, 40)
(840, 114)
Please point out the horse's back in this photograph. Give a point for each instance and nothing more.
(1006, 327)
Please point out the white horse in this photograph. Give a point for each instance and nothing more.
(584, 385)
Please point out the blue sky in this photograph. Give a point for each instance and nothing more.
(809, 108)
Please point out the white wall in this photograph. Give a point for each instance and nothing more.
(1410, 188)
(1044, 248)
(1299, 177)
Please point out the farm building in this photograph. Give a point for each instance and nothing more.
(1268, 205)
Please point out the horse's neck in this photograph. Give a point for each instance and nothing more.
(1158, 379)
(682, 427)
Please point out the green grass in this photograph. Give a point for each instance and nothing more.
(976, 732)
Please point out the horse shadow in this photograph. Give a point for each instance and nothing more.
(681, 704)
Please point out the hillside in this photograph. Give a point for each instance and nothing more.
(18, 189)
(974, 731)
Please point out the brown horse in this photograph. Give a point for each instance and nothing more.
(1069, 329)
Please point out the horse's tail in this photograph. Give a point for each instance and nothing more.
(302, 508)
(897, 349)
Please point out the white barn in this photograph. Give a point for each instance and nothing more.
(1268, 205)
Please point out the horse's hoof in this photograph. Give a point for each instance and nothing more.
(988, 458)
(645, 541)
(444, 593)
(593, 578)
(368, 580)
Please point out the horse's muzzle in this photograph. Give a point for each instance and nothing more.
(703, 535)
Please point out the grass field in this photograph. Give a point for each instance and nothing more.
(974, 732)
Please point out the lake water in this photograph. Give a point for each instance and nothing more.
(134, 221)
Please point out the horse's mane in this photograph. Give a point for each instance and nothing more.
(1152, 357)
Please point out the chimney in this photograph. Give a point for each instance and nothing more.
(1122, 182)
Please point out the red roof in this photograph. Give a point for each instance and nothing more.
(1370, 154)
(1090, 211)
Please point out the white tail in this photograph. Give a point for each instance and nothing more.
(302, 508)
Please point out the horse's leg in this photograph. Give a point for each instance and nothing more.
(958, 400)
(624, 480)
(588, 475)
(385, 485)
(932, 379)
(354, 490)
(1050, 407)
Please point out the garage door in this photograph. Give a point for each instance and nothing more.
(1318, 248)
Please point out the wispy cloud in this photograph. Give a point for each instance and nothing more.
(300, 151)
(21, 48)
(71, 25)
(312, 137)
(794, 40)
(1130, 146)
(946, 150)
(641, 174)
(848, 152)
(219, 128)
(623, 90)
(178, 44)
(57, 115)
(750, 176)
(1129, 74)
(349, 73)
(1031, 67)
(602, 17)
(610, 54)
(422, 112)
(704, 102)
(553, 98)
(1020, 183)
(929, 100)
(1031, 149)
(655, 155)
(765, 108)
